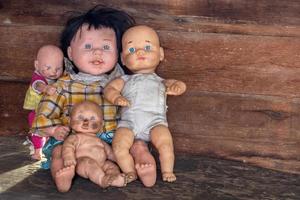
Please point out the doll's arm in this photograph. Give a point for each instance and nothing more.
(112, 92)
(68, 150)
(49, 114)
(59, 132)
(109, 152)
(174, 87)
(44, 88)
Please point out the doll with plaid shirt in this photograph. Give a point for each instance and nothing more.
(91, 42)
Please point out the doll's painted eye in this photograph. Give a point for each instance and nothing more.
(81, 117)
(88, 46)
(93, 118)
(131, 50)
(106, 47)
(147, 48)
(48, 67)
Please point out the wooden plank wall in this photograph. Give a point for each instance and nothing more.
(240, 60)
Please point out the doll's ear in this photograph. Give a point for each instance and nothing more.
(162, 54)
(70, 53)
(36, 64)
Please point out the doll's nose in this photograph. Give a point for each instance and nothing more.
(85, 122)
(140, 52)
(97, 51)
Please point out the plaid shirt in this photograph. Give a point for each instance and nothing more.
(55, 109)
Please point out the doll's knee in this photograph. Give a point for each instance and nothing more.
(57, 152)
(85, 166)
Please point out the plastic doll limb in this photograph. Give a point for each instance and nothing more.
(37, 155)
(144, 163)
(113, 177)
(62, 175)
(108, 175)
(162, 140)
(175, 87)
(122, 142)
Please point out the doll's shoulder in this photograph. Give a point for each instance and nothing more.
(63, 81)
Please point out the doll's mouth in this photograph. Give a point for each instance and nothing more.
(97, 62)
(84, 127)
(141, 58)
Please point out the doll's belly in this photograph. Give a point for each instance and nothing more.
(94, 152)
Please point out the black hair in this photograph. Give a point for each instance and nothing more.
(97, 17)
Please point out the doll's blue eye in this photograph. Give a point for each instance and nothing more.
(106, 47)
(147, 48)
(131, 50)
(88, 46)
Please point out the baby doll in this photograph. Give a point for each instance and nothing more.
(91, 42)
(86, 152)
(143, 115)
(48, 68)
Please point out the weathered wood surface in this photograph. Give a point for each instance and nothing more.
(198, 178)
(240, 60)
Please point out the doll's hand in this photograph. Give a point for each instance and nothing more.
(69, 162)
(50, 90)
(121, 101)
(177, 88)
(60, 132)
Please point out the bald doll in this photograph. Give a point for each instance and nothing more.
(143, 114)
(86, 154)
(48, 68)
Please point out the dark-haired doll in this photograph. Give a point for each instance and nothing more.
(92, 43)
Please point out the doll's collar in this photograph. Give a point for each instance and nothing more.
(88, 78)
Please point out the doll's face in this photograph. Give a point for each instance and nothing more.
(141, 51)
(94, 51)
(86, 118)
(49, 62)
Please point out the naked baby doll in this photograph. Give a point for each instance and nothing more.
(143, 115)
(87, 154)
(48, 68)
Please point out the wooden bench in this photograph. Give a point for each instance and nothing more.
(240, 60)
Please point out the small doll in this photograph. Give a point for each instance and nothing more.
(87, 154)
(48, 68)
(143, 114)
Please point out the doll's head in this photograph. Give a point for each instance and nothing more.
(86, 117)
(141, 50)
(49, 62)
(92, 41)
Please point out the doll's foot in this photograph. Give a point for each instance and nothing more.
(63, 178)
(146, 173)
(130, 176)
(168, 176)
(117, 180)
(36, 156)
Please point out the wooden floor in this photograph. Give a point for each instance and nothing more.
(198, 178)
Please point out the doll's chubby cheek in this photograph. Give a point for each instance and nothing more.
(95, 126)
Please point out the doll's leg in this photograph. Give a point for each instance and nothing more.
(38, 143)
(109, 175)
(62, 175)
(88, 168)
(113, 176)
(162, 140)
(122, 141)
(144, 163)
